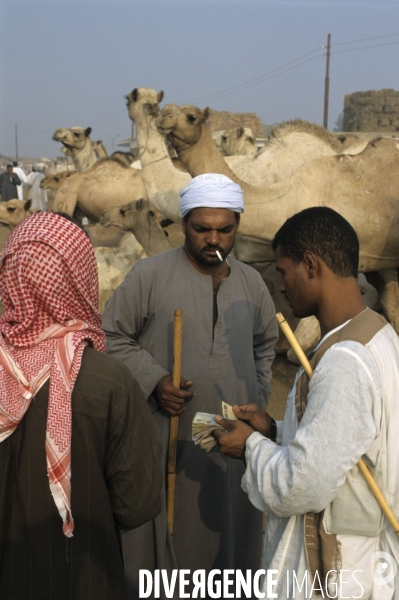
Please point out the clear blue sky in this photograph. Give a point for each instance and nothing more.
(66, 63)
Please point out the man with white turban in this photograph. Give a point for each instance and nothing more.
(229, 332)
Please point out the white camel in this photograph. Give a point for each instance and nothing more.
(235, 142)
(78, 145)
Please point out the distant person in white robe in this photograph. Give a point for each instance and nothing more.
(325, 531)
(36, 194)
(23, 177)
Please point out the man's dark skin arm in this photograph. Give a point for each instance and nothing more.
(251, 418)
(171, 398)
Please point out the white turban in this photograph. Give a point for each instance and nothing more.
(212, 190)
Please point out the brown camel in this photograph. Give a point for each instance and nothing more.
(98, 188)
(355, 186)
(143, 220)
(54, 182)
(13, 212)
(289, 146)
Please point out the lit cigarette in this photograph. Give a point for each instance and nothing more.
(219, 256)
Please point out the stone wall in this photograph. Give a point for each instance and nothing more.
(219, 120)
(372, 111)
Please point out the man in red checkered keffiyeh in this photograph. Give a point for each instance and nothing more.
(49, 288)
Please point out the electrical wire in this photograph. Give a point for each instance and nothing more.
(380, 37)
(282, 70)
(364, 47)
(269, 75)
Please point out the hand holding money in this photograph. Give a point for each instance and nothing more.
(255, 417)
(232, 439)
(204, 424)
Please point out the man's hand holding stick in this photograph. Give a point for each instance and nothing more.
(172, 399)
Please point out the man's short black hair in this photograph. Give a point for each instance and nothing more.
(8, 166)
(15, 164)
(324, 232)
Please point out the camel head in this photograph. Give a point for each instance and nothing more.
(14, 211)
(54, 182)
(238, 141)
(130, 217)
(182, 124)
(74, 138)
(143, 99)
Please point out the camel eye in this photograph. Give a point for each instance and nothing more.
(122, 211)
(11, 209)
(191, 118)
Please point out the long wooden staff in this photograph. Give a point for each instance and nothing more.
(174, 421)
(289, 334)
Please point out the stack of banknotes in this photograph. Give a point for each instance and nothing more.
(204, 424)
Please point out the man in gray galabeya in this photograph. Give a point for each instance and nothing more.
(229, 333)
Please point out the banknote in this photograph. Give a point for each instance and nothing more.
(204, 424)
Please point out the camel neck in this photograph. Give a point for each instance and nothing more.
(204, 157)
(83, 158)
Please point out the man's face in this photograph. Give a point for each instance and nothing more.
(296, 285)
(207, 230)
(9, 170)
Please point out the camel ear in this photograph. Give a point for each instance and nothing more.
(159, 96)
(205, 113)
(135, 95)
(140, 204)
(240, 132)
(28, 204)
(87, 131)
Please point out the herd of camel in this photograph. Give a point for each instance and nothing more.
(301, 165)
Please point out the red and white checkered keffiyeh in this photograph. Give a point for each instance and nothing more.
(49, 288)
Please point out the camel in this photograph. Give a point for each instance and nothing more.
(13, 212)
(98, 188)
(288, 147)
(78, 145)
(162, 180)
(355, 185)
(352, 185)
(232, 142)
(99, 149)
(143, 220)
(114, 264)
(126, 158)
(54, 182)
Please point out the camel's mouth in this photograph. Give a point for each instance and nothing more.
(105, 221)
(161, 126)
(164, 130)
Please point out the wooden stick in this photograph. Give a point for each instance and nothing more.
(174, 421)
(289, 334)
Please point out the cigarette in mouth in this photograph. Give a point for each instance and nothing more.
(219, 256)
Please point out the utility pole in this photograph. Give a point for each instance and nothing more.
(327, 82)
(16, 142)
